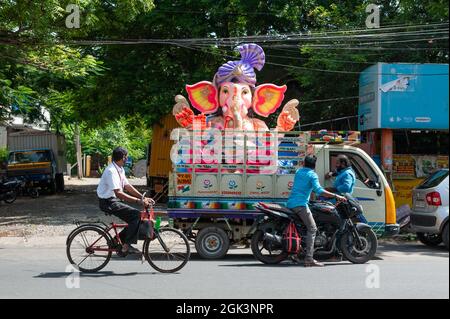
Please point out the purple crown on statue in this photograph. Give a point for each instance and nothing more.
(252, 57)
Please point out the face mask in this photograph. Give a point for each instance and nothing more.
(339, 168)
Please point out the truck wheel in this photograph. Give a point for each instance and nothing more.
(431, 240)
(212, 243)
(445, 235)
(59, 179)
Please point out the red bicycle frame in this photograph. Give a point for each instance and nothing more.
(145, 215)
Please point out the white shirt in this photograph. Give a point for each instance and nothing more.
(113, 178)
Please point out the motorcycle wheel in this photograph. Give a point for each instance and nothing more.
(269, 257)
(359, 255)
(10, 197)
(34, 193)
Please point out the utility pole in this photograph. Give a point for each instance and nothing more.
(78, 148)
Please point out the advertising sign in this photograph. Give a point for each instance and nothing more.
(403, 191)
(183, 186)
(404, 167)
(404, 96)
(425, 165)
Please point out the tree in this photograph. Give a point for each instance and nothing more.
(36, 69)
(139, 81)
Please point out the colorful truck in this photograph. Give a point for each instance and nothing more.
(214, 203)
(226, 158)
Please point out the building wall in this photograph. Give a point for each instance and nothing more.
(3, 137)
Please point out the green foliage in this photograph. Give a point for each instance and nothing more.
(101, 169)
(3, 154)
(103, 140)
(94, 85)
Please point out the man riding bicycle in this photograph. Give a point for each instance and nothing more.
(111, 194)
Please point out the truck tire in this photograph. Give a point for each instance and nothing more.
(431, 240)
(445, 235)
(212, 243)
(59, 179)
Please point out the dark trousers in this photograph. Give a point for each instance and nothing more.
(130, 215)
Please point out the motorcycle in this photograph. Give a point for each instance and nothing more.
(338, 227)
(8, 191)
(26, 188)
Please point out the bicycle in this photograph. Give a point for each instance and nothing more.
(90, 246)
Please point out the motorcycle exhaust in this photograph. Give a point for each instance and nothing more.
(273, 238)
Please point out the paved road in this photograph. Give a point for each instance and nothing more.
(405, 271)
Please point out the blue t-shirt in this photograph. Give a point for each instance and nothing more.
(305, 182)
(345, 181)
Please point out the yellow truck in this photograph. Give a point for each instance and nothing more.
(37, 157)
(159, 164)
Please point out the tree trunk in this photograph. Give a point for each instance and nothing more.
(78, 149)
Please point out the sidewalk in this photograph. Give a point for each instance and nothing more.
(52, 216)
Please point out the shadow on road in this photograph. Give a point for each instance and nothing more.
(285, 265)
(99, 274)
(407, 249)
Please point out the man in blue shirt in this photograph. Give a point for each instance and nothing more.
(345, 179)
(345, 176)
(306, 181)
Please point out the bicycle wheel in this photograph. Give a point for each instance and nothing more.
(89, 248)
(168, 252)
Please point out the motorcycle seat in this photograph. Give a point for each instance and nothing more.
(277, 208)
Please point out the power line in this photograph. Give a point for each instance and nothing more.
(330, 100)
(308, 37)
(347, 34)
(328, 121)
(320, 70)
(321, 58)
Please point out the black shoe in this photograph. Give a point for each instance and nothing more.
(133, 251)
(115, 243)
(120, 253)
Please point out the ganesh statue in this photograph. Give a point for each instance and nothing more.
(229, 103)
(231, 99)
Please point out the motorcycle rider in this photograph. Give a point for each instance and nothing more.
(306, 181)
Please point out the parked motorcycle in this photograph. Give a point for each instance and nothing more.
(8, 190)
(338, 229)
(26, 188)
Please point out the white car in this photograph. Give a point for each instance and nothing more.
(429, 217)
